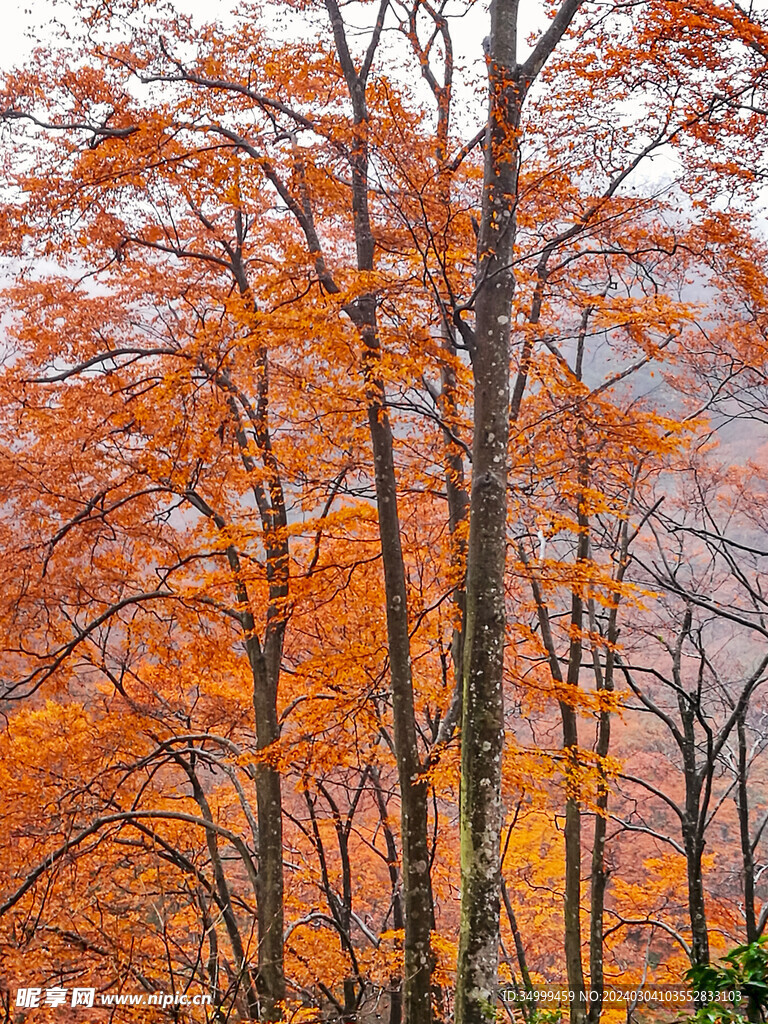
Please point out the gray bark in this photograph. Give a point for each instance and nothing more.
(482, 699)
(747, 851)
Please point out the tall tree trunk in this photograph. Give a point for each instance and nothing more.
(747, 853)
(693, 844)
(568, 717)
(483, 696)
(453, 461)
(414, 792)
(395, 991)
(458, 511)
(266, 664)
(694, 850)
(604, 681)
(522, 960)
(270, 817)
(599, 873)
(572, 901)
(265, 658)
(414, 788)
(693, 820)
(265, 670)
(572, 908)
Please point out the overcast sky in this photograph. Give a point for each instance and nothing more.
(20, 17)
(23, 19)
(13, 45)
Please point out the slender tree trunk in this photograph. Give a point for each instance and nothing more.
(599, 873)
(483, 697)
(414, 791)
(599, 880)
(572, 902)
(266, 665)
(395, 991)
(270, 817)
(747, 853)
(453, 462)
(522, 960)
(414, 788)
(265, 668)
(693, 844)
(694, 850)
(692, 823)
(572, 906)
(604, 681)
(458, 511)
(210, 977)
(222, 888)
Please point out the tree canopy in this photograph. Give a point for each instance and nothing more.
(383, 460)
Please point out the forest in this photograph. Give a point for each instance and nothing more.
(383, 490)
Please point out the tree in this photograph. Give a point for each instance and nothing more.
(699, 699)
(286, 316)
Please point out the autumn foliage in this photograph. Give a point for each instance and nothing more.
(384, 483)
